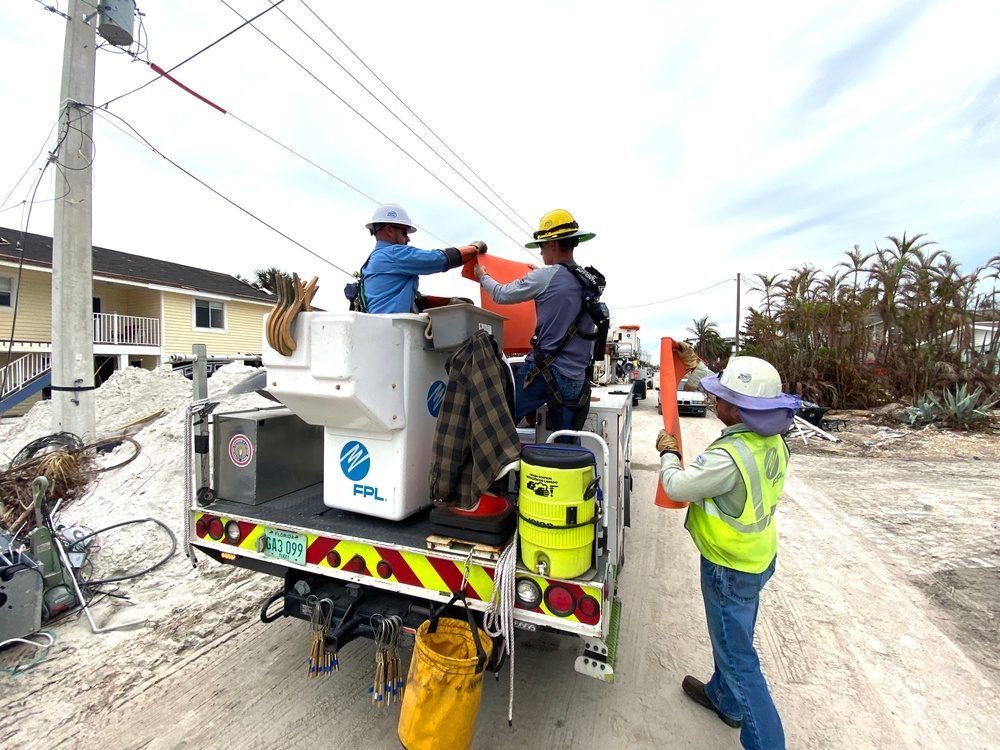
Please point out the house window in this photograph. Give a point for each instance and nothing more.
(6, 292)
(209, 314)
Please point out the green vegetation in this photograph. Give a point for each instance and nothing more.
(895, 325)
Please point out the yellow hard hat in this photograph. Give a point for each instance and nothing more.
(558, 225)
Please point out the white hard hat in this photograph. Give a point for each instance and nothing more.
(751, 376)
(390, 213)
(753, 386)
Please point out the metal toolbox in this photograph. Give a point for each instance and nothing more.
(20, 591)
(262, 454)
(452, 325)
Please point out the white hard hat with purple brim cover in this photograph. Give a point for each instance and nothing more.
(753, 386)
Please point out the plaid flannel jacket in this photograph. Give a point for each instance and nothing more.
(475, 435)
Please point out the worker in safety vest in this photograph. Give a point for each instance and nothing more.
(733, 490)
(388, 280)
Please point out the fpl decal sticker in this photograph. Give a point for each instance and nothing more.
(355, 462)
(240, 450)
(435, 397)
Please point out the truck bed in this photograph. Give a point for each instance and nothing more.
(304, 510)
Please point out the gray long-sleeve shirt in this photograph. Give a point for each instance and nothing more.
(711, 474)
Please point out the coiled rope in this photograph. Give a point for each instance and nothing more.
(499, 618)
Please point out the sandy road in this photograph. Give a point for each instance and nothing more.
(864, 643)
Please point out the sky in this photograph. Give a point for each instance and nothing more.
(698, 141)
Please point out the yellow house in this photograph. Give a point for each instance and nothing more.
(146, 312)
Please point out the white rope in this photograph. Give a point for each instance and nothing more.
(499, 618)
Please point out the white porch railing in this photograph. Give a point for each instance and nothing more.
(112, 328)
(22, 371)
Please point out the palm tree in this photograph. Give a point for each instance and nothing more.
(709, 343)
(767, 288)
(265, 278)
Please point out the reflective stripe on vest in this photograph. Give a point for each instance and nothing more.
(748, 542)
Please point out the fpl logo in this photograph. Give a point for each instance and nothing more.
(435, 397)
(355, 462)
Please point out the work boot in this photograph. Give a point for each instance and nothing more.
(695, 690)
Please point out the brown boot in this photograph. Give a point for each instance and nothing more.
(695, 690)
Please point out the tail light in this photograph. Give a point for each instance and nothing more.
(560, 600)
(588, 606)
(215, 529)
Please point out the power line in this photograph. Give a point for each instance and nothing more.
(380, 131)
(672, 299)
(192, 57)
(415, 115)
(142, 139)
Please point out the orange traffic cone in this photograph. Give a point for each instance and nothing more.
(671, 372)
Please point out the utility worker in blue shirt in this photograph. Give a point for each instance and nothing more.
(733, 490)
(390, 276)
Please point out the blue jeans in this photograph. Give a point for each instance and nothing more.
(737, 687)
(527, 400)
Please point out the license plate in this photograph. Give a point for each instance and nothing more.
(284, 545)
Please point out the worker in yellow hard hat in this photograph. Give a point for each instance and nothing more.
(571, 323)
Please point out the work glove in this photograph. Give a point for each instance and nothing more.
(667, 443)
(686, 353)
(480, 245)
(467, 252)
(460, 301)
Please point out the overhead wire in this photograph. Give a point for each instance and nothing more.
(52, 159)
(373, 125)
(142, 139)
(390, 111)
(418, 118)
(192, 57)
(673, 299)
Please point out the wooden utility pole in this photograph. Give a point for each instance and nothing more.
(737, 350)
(72, 249)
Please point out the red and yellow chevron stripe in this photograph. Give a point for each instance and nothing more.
(405, 567)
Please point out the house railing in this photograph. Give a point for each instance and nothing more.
(112, 328)
(22, 371)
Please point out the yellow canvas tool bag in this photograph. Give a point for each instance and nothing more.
(445, 683)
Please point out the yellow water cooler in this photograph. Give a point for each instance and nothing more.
(557, 509)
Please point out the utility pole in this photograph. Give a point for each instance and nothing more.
(72, 248)
(737, 337)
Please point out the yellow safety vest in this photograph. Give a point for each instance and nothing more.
(748, 542)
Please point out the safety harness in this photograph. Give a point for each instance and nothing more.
(593, 283)
(355, 291)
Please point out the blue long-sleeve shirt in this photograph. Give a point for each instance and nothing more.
(393, 272)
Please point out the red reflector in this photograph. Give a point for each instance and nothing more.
(560, 600)
(333, 558)
(588, 606)
(356, 564)
(215, 529)
(384, 569)
(201, 528)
